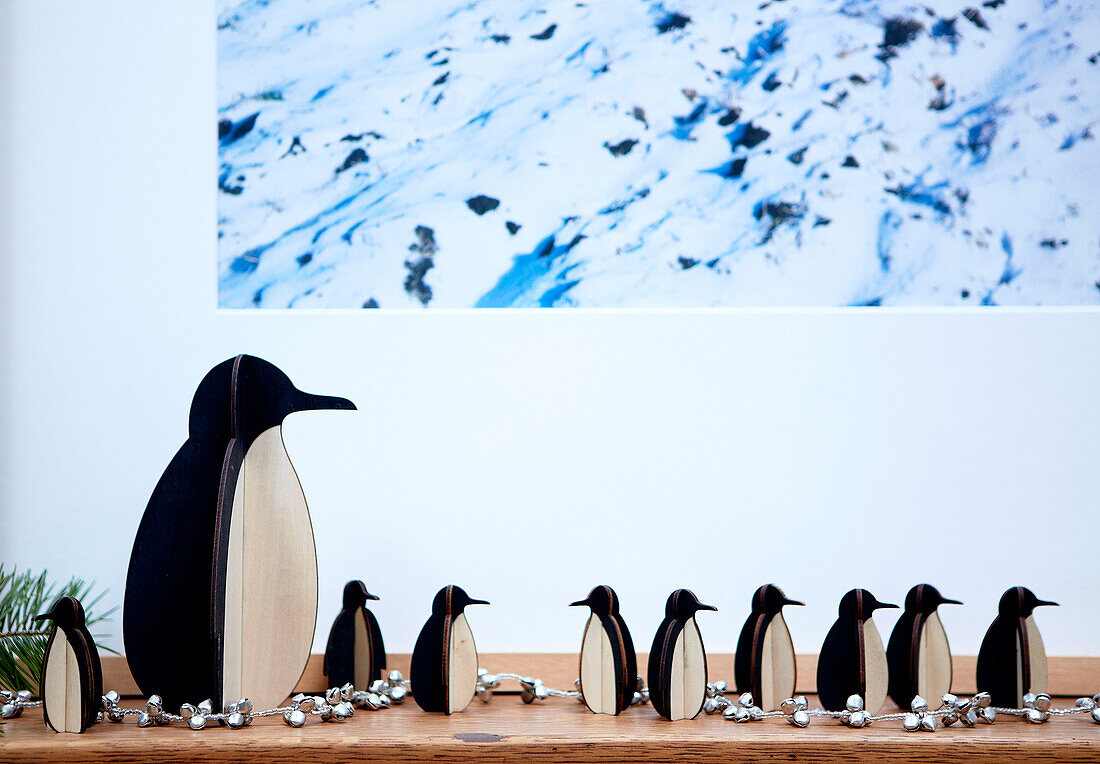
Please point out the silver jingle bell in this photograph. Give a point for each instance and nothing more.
(854, 703)
(1096, 714)
(347, 691)
(377, 686)
(196, 721)
(295, 717)
(395, 677)
(145, 720)
(10, 711)
(206, 707)
(928, 723)
(342, 711)
(244, 705)
(710, 706)
(114, 714)
(332, 695)
(111, 697)
(911, 722)
(397, 694)
(235, 720)
(919, 704)
(801, 718)
(1035, 716)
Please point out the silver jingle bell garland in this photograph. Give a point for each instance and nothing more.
(338, 704)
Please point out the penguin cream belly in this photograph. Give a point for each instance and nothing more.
(271, 578)
(934, 660)
(1036, 657)
(874, 661)
(598, 684)
(777, 666)
(461, 666)
(688, 686)
(63, 699)
(363, 650)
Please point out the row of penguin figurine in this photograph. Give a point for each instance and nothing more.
(852, 660)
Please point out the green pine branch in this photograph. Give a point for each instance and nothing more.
(23, 595)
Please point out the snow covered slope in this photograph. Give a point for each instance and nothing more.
(617, 153)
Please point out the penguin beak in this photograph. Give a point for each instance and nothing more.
(1045, 602)
(43, 617)
(946, 601)
(578, 603)
(478, 602)
(370, 596)
(310, 402)
(794, 602)
(706, 607)
(884, 604)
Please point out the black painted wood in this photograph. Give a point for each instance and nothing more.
(174, 601)
(67, 615)
(681, 606)
(339, 664)
(840, 665)
(748, 674)
(903, 649)
(998, 670)
(604, 603)
(428, 680)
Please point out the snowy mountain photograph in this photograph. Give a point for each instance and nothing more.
(629, 154)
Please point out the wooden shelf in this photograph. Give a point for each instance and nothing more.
(563, 730)
(556, 730)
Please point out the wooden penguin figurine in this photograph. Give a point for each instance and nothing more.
(917, 654)
(678, 661)
(443, 674)
(355, 652)
(609, 666)
(852, 659)
(72, 680)
(764, 663)
(1012, 660)
(223, 574)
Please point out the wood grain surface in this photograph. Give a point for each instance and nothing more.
(1068, 676)
(557, 730)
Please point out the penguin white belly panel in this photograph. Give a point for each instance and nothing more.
(933, 660)
(1037, 657)
(876, 672)
(362, 651)
(271, 578)
(688, 685)
(461, 666)
(63, 696)
(597, 668)
(776, 664)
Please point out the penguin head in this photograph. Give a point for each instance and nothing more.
(601, 599)
(356, 595)
(925, 598)
(682, 604)
(244, 396)
(770, 599)
(452, 600)
(66, 613)
(1019, 601)
(860, 604)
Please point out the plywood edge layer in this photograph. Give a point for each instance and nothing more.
(1069, 676)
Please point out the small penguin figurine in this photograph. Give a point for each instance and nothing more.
(852, 659)
(764, 663)
(1012, 660)
(72, 680)
(609, 666)
(918, 654)
(223, 573)
(678, 661)
(443, 674)
(355, 652)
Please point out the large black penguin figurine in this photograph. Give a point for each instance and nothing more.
(223, 574)
(355, 652)
(72, 680)
(918, 654)
(1012, 660)
(443, 674)
(852, 659)
(678, 661)
(764, 663)
(609, 666)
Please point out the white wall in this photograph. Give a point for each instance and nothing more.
(524, 455)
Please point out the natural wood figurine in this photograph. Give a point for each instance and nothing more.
(852, 659)
(608, 664)
(355, 652)
(1012, 660)
(764, 662)
(678, 661)
(72, 680)
(443, 671)
(918, 654)
(221, 594)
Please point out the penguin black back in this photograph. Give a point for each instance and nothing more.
(764, 662)
(443, 671)
(918, 654)
(1012, 660)
(607, 686)
(852, 659)
(355, 652)
(187, 526)
(677, 659)
(71, 684)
